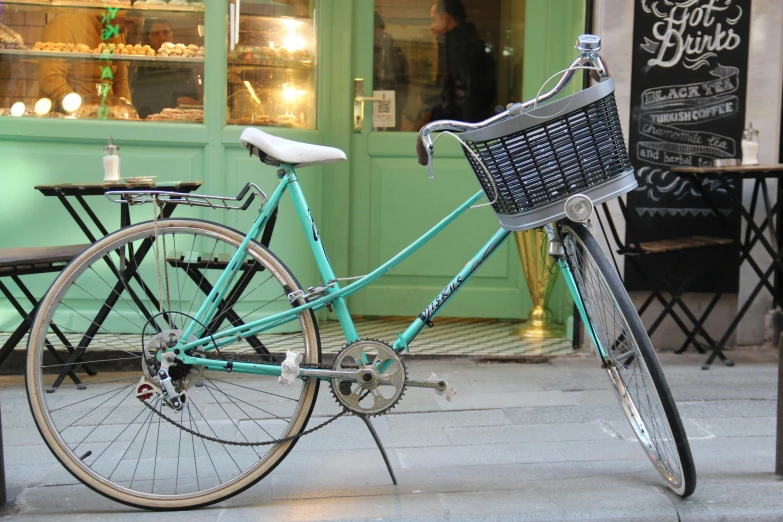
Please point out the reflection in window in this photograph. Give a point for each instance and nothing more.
(448, 59)
(271, 64)
(59, 61)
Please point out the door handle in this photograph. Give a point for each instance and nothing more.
(359, 100)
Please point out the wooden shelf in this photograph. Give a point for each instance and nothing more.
(234, 64)
(96, 56)
(168, 8)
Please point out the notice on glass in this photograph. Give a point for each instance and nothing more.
(383, 113)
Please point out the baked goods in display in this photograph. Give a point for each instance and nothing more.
(272, 56)
(30, 111)
(10, 39)
(124, 49)
(193, 115)
(59, 47)
(179, 50)
(116, 112)
(100, 2)
(166, 50)
(286, 119)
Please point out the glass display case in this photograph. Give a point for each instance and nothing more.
(271, 63)
(88, 59)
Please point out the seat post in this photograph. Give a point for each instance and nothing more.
(324, 266)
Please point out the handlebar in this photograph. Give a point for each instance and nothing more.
(588, 46)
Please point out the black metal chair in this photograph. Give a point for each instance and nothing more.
(665, 282)
(18, 262)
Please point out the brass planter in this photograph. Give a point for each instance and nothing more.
(540, 278)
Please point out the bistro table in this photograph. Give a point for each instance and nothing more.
(754, 233)
(78, 191)
(767, 233)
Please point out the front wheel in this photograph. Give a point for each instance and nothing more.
(627, 355)
(151, 278)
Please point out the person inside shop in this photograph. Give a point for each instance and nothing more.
(465, 88)
(57, 78)
(161, 86)
(390, 68)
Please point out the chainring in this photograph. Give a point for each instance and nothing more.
(381, 383)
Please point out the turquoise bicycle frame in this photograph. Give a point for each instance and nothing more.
(335, 295)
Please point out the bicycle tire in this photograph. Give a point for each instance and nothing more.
(61, 441)
(627, 353)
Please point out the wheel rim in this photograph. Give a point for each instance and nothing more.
(625, 364)
(115, 444)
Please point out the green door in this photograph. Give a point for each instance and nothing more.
(390, 198)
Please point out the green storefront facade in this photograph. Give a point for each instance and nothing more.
(367, 208)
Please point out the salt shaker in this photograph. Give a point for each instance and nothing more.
(750, 146)
(111, 162)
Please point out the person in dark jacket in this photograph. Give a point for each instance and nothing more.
(466, 71)
(390, 68)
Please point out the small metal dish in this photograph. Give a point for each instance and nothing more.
(725, 162)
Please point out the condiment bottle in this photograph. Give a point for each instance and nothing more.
(750, 146)
(111, 162)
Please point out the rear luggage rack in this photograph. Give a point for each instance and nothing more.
(141, 197)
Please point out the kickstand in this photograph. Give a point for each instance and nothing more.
(380, 446)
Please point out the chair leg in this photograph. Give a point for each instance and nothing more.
(676, 300)
(691, 339)
(12, 341)
(656, 294)
(57, 332)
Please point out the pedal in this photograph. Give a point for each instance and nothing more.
(289, 369)
(437, 384)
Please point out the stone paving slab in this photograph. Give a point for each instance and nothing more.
(555, 447)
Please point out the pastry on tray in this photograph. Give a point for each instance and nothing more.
(10, 39)
(179, 114)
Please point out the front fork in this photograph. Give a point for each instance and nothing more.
(557, 251)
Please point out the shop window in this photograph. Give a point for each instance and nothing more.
(271, 63)
(92, 59)
(446, 59)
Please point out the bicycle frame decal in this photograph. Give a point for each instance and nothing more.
(316, 237)
(455, 285)
(440, 300)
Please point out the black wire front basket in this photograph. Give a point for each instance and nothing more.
(539, 158)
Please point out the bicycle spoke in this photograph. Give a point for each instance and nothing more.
(637, 392)
(236, 424)
(141, 427)
(253, 389)
(107, 439)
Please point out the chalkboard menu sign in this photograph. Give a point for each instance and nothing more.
(687, 108)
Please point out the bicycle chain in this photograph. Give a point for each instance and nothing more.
(264, 443)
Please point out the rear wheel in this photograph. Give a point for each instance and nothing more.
(629, 359)
(152, 281)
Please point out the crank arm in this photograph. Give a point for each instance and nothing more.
(321, 373)
(437, 384)
(353, 375)
(440, 385)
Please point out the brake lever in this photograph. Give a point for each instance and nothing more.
(428, 145)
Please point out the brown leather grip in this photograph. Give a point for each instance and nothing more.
(421, 151)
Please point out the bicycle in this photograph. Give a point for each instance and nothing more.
(202, 415)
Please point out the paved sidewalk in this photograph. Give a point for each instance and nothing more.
(519, 442)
